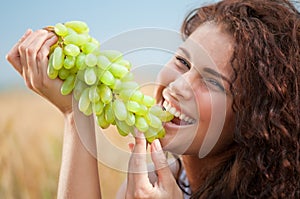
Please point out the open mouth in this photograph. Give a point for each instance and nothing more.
(180, 118)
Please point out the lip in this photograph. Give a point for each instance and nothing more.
(170, 126)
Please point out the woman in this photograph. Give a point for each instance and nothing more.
(235, 85)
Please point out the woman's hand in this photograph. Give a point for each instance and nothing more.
(29, 57)
(138, 183)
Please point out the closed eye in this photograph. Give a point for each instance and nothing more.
(184, 62)
(215, 83)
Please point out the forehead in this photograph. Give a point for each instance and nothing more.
(209, 43)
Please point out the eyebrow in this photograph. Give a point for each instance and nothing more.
(185, 52)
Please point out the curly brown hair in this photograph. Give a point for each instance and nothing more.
(265, 86)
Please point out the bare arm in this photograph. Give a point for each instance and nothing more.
(79, 169)
(79, 173)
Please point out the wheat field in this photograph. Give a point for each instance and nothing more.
(31, 133)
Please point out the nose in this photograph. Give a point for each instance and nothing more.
(181, 88)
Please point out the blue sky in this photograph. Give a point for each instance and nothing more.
(105, 19)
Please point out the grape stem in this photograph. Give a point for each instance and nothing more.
(51, 29)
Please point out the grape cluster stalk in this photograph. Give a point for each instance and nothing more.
(101, 82)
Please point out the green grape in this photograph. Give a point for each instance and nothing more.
(102, 121)
(78, 89)
(80, 75)
(151, 134)
(119, 109)
(90, 76)
(70, 31)
(98, 107)
(148, 101)
(71, 50)
(105, 94)
(127, 77)
(107, 78)
(156, 110)
(141, 124)
(80, 61)
(133, 106)
(164, 116)
(60, 29)
(121, 132)
(73, 71)
(130, 120)
(91, 60)
(103, 62)
(102, 83)
(153, 120)
(94, 94)
(68, 85)
(142, 110)
(118, 70)
(58, 58)
(76, 39)
(89, 110)
(63, 73)
(137, 96)
(125, 94)
(130, 85)
(161, 133)
(69, 62)
(112, 55)
(109, 113)
(89, 47)
(93, 40)
(125, 63)
(51, 72)
(123, 128)
(117, 84)
(78, 26)
(84, 101)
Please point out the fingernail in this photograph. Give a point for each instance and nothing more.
(131, 146)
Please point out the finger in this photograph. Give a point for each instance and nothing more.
(13, 55)
(138, 172)
(39, 78)
(33, 46)
(27, 50)
(159, 159)
(23, 47)
(138, 157)
(42, 56)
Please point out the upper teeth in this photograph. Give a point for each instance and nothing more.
(177, 113)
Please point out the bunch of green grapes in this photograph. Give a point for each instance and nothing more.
(102, 83)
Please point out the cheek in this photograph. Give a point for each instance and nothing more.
(165, 76)
(204, 112)
(213, 110)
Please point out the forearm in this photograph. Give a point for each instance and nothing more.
(79, 169)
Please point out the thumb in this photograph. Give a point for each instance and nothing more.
(159, 159)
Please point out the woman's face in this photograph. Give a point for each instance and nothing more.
(194, 86)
